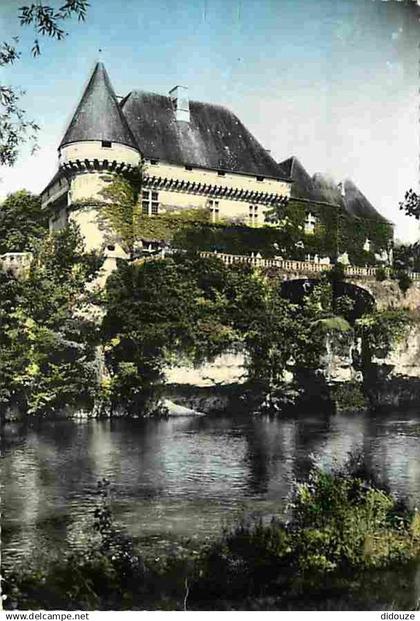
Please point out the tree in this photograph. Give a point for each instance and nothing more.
(407, 257)
(12, 354)
(411, 204)
(49, 333)
(168, 310)
(46, 20)
(22, 222)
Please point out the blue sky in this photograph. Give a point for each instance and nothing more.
(332, 81)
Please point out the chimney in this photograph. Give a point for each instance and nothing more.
(181, 103)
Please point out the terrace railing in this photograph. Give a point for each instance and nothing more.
(299, 267)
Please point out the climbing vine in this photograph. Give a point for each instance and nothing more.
(335, 230)
(380, 330)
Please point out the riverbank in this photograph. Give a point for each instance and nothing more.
(202, 335)
(345, 536)
(185, 400)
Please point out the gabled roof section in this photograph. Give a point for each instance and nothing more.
(327, 190)
(321, 189)
(358, 205)
(214, 137)
(303, 185)
(98, 115)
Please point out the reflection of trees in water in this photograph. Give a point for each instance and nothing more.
(160, 470)
(393, 452)
(311, 433)
(283, 450)
(12, 436)
(269, 452)
(41, 470)
(279, 451)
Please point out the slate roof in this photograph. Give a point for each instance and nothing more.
(303, 184)
(358, 205)
(98, 115)
(321, 189)
(327, 190)
(213, 138)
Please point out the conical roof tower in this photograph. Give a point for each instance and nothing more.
(98, 115)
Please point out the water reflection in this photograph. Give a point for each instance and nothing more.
(181, 477)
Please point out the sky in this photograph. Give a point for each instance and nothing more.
(333, 82)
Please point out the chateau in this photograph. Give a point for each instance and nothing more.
(198, 155)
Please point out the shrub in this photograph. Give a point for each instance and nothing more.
(380, 274)
(349, 397)
(342, 525)
(380, 330)
(404, 281)
(344, 522)
(337, 273)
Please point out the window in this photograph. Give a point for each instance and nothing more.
(221, 173)
(310, 223)
(106, 144)
(214, 210)
(260, 178)
(367, 246)
(150, 203)
(153, 161)
(253, 215)
(188, 167)
(111, 247)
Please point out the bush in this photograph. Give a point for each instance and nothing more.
(380, 274)
(349, 397)
(404, 281)
(381, 330)
(337, 273)
(344, 522)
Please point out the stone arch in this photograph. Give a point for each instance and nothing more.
(295, 290)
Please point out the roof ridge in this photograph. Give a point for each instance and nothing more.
(192, 101)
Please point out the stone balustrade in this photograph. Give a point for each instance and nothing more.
(15, 261)
(300, 267)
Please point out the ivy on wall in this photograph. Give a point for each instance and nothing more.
(335, 231)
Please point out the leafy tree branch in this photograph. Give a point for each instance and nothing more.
(47, 21)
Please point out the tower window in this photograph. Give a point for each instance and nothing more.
(253, 215)
(150, 203)
(214, 210)
(106, 144)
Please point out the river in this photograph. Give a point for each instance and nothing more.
(178, 481)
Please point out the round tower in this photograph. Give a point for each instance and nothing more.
(98, 143)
